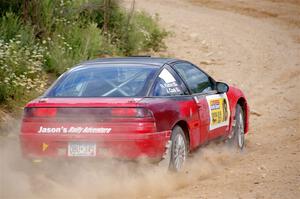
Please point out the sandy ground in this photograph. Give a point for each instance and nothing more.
(252, 44)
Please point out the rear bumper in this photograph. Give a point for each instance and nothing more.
(121, 146)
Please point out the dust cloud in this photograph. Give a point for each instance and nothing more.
(101, 178)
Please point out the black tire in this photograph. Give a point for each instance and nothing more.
(179, 149)
(237, 141)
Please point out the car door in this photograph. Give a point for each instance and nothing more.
(212, 107)
(169, 93)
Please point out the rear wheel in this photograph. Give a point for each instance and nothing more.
(238, 138)
(179, 149)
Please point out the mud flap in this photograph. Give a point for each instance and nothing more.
(165, 162)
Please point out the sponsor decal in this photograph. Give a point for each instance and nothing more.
(167, 76)
(218, 110)
(75, 130)
(174, 90)
(170, 83)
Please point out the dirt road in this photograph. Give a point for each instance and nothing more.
(252, 44)
(255, 45)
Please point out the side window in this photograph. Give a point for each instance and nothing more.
(166, 85)
(196, 80)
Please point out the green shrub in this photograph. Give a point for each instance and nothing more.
(132, 32)
(46, 36)
(21, 70)
(10, 6)
(11, 26)
(140, 33)
(74, 45)
(152, 35)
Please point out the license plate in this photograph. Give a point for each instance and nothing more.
(81, 149)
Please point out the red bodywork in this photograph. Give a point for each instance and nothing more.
(130, 137)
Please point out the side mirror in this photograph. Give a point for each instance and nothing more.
(222, 87)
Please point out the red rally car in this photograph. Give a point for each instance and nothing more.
(133, 107)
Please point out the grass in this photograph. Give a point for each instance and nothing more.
(42, 39)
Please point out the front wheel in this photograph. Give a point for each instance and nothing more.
(238, 138)
(179, 149)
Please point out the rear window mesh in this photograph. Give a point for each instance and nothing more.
(111, 81)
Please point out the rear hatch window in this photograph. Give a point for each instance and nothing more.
(104, 81)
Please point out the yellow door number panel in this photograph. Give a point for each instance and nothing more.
(218, 110)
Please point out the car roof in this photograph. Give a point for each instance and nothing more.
(143, 60)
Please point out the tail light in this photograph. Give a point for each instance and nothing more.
(40, 112)
(131, 112)
(139, 120)
(88, 112)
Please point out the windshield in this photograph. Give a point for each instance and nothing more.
(104, 81)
